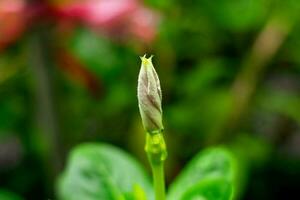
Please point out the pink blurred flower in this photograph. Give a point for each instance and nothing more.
(114, 17)
(143, 23)
(12, 22)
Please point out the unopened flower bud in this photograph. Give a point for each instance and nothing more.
(149, 97)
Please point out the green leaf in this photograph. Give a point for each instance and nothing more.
(101, 171)
(209, 188)
(6, 195)
(209, 176)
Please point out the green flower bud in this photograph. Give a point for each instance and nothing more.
(149, 97)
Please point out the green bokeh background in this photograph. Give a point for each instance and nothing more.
(230, 75)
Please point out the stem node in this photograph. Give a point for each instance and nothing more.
(157, 153)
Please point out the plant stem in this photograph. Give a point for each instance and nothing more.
(40, 59)
(159, 181)
(157, 153)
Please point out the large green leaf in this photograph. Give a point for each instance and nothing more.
(6, 195)
(209, 176)
(102, 172)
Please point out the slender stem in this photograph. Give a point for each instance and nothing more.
(159, 181)
(157, 153)
(41, 64)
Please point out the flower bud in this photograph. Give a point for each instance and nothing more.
(149, 97)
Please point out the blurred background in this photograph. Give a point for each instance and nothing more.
(230, 74)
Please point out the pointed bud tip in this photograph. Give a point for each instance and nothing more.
(145, 60)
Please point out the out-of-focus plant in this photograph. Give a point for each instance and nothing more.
(12, 21)
(101, 171)
(119, 20)
(115, 18)
(6, 195)
(236, 63)
(122, 19)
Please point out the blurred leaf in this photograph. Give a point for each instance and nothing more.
(213, 107)
(96, 52)
(6, 195)
(288, 10)
(260, 149)
(159, 4)
(210, 189)
(10, 112)
(204, 77)
(205, 92)
(210, 175)
(101, 171)
(237, 15)
(282, 102)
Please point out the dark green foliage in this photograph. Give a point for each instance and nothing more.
(6, 195)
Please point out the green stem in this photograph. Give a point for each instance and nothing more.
(159, 181)
(157, 154)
